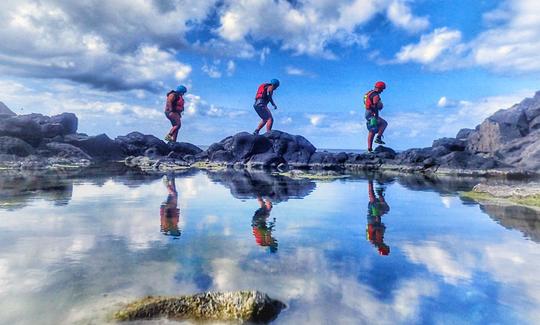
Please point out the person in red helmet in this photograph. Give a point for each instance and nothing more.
(375, 124)
(174, 108)
(377, 207)
(262, 228)
(168, 211)
(262, 98)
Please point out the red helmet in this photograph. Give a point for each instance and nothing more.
(380, 85)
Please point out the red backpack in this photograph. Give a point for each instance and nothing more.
(261, 91)
(368, 99)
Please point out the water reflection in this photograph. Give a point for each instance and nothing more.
(72, 263)
(168, 211)
(377, 208)
(263, 227)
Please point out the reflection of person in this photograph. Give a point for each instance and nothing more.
(262, 230)
(377, 207)
(169, 212)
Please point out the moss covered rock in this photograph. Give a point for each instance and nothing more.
(252, 306)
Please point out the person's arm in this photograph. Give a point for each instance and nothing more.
(270, 93)
(180, 104)
(168, 104)
(377, 102)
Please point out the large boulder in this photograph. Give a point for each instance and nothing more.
(99, 146)
(505, 126)
(65, 150)
(23, 127)
(295, 149)
(450, 143)
(136, 144)
(15, 146)
(184, 148)
(68, 121)
(5, 111)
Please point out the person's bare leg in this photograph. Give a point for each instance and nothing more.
(370, 137)
(269, 124)
(382, 126)
(260, 126)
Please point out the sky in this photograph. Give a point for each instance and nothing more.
(448, 64)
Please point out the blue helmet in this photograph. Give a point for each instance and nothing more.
(274, 83)
(181, 89)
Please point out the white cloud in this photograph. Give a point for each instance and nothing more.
(400, 14)
(294, 71)
(508, 44)
(316, 119)
(309, 27)
(231, 68)
(264, 53)
(431, 46)
(212, 70)
(89, 42)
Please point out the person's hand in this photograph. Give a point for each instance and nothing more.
(275, 107)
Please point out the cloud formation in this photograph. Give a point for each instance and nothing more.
(113, 45)
(508, 44)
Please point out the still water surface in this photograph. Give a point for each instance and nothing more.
(351, 251)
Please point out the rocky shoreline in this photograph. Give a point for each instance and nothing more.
(504, 145)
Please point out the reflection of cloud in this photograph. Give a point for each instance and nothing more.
(438, 261)
(313, 283)
(513, 264)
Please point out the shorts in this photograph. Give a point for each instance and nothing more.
(263, 111)
(174, 122)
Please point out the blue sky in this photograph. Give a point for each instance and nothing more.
(447, 64)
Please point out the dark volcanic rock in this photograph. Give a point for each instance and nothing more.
(136, 144)
(266, 160)
(23, 127)
(99, 146)
(65, 150)
(450, 144)
(68, 121)
(184, 148)
(295, 149)
(14, 146)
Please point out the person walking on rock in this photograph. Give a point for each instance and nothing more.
(174, 108)
(262, 98)
(375, 124)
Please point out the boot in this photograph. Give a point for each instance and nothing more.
(378, 140)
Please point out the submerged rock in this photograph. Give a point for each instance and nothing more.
(250, 306)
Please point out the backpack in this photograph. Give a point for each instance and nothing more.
(174, 104)
(261, 91)
(368, 99)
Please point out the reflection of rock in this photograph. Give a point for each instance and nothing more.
(247, 306)
(524, 219)
(248, 185)
(17, 191)
(17, 188)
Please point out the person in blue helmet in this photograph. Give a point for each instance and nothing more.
(262, 98)
(174, 108)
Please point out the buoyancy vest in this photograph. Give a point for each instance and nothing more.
(262, 92)
(174, 103)
(368, 99)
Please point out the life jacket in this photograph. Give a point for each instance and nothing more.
(262, 92)
(174, 103)
(368, 99)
